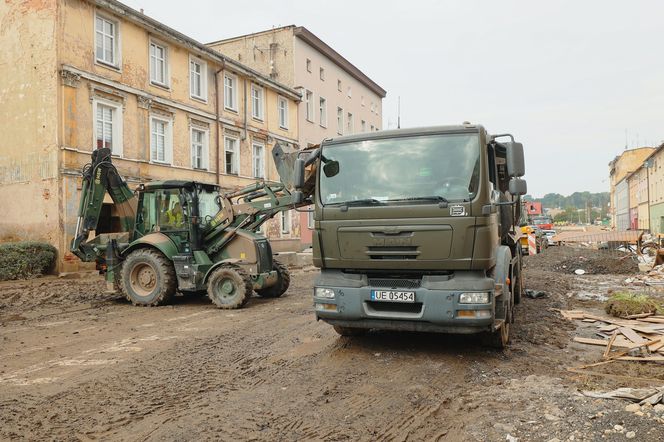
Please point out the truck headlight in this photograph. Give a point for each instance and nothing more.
(474, 298)
(321, 292)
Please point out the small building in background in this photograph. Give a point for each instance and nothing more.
(621, 166)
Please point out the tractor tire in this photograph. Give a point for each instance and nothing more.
(229, 287)
(282, 284)
(350, 331)
(148, 278)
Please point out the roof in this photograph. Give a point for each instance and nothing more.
(307, 36)
(149, 23)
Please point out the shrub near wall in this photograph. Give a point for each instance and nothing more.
(26, 259)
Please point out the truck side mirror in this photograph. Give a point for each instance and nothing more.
(518, 186)
(331, 168)
(516, 164)
(298, 174)
(297, 197)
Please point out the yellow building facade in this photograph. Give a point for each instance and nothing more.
(88, 74)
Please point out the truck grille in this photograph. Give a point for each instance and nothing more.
(394, 283)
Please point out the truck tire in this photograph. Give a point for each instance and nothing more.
(229, 287)
(283, 282)
(148, 278)
(350, 331)
(500, 337)
(517, 278)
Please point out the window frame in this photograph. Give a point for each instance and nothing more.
(308, 65)
(285, 219)
(205, 155)
(117, 130)
(322, 112)
(117, 46)
(340, 120)
(283, 100)
(339, 86)
(233, 100)
(236, 152)
(321, 73)
(168, 140)
(350, 124)
(261, 108)
(167, 80)
(254, 144)
(203, 76)
(308, 105)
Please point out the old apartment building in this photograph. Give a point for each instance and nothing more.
(619, 168)
(337, 98)
(80, 74)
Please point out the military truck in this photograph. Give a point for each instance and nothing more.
(417, 230)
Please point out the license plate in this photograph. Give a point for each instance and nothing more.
(392, 296)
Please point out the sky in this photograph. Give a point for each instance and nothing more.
(575, 81)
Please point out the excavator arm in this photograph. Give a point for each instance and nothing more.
(101, 176)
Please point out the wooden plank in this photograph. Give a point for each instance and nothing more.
(656, 346)
(639, 316)
(609, 344)
(632, 335)
(652, 320)
(589, 320)
(642, 358)
(608, 328)
(590, 341)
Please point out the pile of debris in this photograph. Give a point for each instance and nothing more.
(635, 338)
(653, 278)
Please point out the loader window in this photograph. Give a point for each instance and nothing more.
(416, 169)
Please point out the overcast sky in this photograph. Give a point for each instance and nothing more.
(575, 81)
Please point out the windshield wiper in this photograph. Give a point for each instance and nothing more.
(442, 199)
(361, 202)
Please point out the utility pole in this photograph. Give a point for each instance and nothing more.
(399, 112)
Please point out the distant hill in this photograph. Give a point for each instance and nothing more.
(577, 200)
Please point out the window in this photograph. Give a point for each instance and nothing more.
(371, 107)
(322, 111)
(259, 160)
(282, 105)
(198, 79)
(350, 123)
(158, 64)
(106, 41)
(108, 125)
(322, 74)
(161, 140)
(231, 156)
(339, 85)
(364, 126)
(310, 220)
(257, 102)
(308, 65)
(230, 94)
(309, 105)
(372, 128)
(362, 100)
(285, 222)
(199, 148)
(340, 121)
(350, 92)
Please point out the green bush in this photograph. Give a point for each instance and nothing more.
(26, 259)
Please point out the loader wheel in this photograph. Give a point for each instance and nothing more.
(148, 278)
(229, 287)
(350, 331)
(282, 284)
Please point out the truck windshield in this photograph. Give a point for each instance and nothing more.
(412, 169)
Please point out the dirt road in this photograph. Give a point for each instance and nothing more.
(77, 364)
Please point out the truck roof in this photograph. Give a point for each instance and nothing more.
(428, 130)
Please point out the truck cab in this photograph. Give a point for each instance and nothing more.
(415, 230)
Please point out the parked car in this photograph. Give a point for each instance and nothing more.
(549, 233)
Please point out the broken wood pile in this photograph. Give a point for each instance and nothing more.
(635, 338)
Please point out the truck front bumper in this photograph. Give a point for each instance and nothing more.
(436, 307)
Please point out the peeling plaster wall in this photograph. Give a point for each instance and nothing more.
(28, 121)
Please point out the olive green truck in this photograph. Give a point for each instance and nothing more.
(416, 230)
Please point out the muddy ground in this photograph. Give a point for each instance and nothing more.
(79, 364)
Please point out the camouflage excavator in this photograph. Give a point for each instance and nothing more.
(182, 236)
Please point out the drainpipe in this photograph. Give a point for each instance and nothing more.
(218, 123)
(246, 129)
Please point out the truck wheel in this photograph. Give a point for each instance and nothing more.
(350, 331)
(517, 280)
(229, 287)
(499, 339)
(148, 278)
(283, 282)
